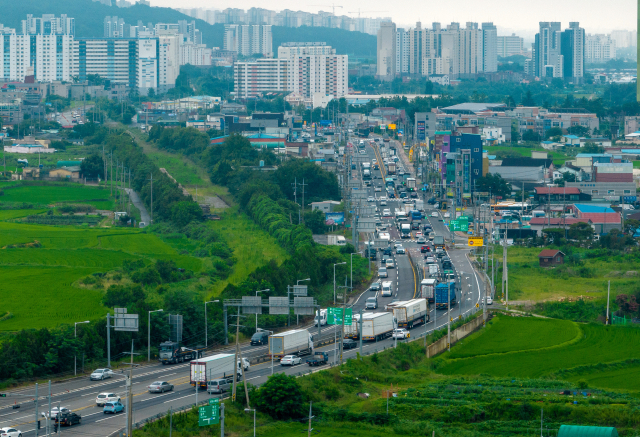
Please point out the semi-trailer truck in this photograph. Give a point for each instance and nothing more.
(427, 288)
(445, 295)
(294, 342)
(377, 326)
(220, 366)
(170, 352)
(410, 313)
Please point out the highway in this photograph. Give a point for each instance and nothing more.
(79, 394)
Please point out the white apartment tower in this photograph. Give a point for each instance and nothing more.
(402, 52)
(489, 48)
(599, 48)
(252, 79)
(386, 53)
(248, 40)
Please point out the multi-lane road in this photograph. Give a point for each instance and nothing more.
(79, 394)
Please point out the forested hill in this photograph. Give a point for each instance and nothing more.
(89, 18)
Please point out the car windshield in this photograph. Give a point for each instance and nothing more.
(99, 371)
(102, 396)
(156, 383)
(166, 348)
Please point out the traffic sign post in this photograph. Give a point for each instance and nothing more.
(334, 316)
(475, 242)
(209, 414)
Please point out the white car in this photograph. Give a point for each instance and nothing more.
(54, 412)
(418, 234)
(434, 214)
(362, 152)
(447, 215)
(383, 202)
(245, 363)
(489, 300)
(430, 260)
(290, 360)
(401, 333)
(100, 374)
(386, 212)
(400, 250)
(103, 398)
(377, 189)
(389, 264)
(10, 432)
(371, 199)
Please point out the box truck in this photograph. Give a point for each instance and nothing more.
(427, 287)
(220, 366)
(445, 295)
(353, 331)
(377, 326)
(294, 342)
(410, 313)
(433, 270)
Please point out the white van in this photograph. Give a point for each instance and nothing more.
(322, 318)
(341, 241)
(387, 289)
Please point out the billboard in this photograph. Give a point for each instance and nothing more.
(334, 218)
(392, 126)
(420, 131)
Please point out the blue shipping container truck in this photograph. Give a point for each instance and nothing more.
(444, 292)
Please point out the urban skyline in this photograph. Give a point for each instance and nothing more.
(504, 14)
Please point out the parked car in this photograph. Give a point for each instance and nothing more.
(100, 374)
(103, 398)
(68, 419)
(113, 408)
(349, 344)
(218, 385)
(290, 360)
(259, 338)
(10, 432)
(160, 387)
(400, 333)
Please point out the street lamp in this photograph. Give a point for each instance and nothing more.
(248, 410)
(297, 315)
(75, 335)
(259, 291)
(149, 334)
(206, 331)
(334, 280)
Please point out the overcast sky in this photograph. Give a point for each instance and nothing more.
(519, 16)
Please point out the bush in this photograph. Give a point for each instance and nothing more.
(281, 397)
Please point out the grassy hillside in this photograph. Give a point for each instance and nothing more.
(89, 18)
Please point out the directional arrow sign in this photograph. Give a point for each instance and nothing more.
(334, 316)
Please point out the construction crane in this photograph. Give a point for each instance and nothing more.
(333, 7)
(366, 12)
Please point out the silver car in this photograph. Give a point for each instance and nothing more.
(100, 374)
(218, 386)
(160, 387)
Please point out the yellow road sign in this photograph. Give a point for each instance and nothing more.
(477, 305)
(392, 126)
(475, 242)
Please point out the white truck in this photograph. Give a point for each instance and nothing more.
(378, 326)
(294, 342)
(420, 205)
(336, 240)
(322, 319)
(405, 230)
(427, 288)
(410, 313)
(352, 331)
(433, 269)
(220, 366)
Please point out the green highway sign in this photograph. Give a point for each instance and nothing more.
(334, 316)
(209, 414)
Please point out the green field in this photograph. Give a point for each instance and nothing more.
(588, 278)
(10, 214)
(559, 158)
(38, 282)
(59, 193)
(252, 247)
(512, 347)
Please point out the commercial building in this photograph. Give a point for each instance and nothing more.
(424, 127)
(248, 40)
(602, 217)
(386, 51)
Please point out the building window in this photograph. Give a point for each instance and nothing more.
(626, 191)
(611, 192)
(594, 192)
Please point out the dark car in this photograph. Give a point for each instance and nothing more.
(414, 195)
(349, 344)
(68, 419)
(375, 286)
(403, 195)
(424, 249)
(260, 338)
(387, 251)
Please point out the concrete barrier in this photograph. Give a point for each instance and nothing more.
(458, 334)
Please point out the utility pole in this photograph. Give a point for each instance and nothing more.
(151, 212)
(608, 294)
(310, 417)
(344, 316)
(302, 206)
(238, 359)
(111, 158)
(108, 342)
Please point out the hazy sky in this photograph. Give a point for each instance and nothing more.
(509, 15)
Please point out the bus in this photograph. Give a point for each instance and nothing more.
(519, 207)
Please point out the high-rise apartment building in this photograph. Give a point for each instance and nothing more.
(115, 27)
(248, 40)
(402, 52)
(386, 52)
(48, 24)
(547, 54)
(599, 48)
(489, 48)
(510, 45)
(625, 38)
(573, 50)
(304, 69)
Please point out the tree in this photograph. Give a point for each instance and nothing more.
(580, 231)
(630, 226)
(281, 397)
(554, 132)
(494, 184)
(315, 221)
(528, 100)
(515, 134)
(151, 93)
(568, 176)
(183, 213)
(530, 135)
(92, 166)
(592, 148)
(581, 131)
(616, 240)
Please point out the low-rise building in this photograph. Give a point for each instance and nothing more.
(325, 206)
(551, 258)
(604, 218)
(538, 224)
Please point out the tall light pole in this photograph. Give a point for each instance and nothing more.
(297, 315)
(334, 280)
(248, 410)
(206, 330)
(149, 334)
(259, 291)
(75, 335)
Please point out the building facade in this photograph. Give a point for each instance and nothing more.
(599, 48)
(386, 52)
(252, 79)
(510, 45)
(248, 40)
